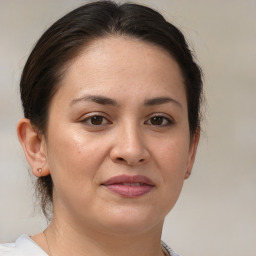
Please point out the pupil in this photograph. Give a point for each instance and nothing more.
(157, 120)
(97, 120)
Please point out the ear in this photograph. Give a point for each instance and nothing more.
(192, 152)
(34, 147)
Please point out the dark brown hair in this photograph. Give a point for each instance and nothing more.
(64, 40)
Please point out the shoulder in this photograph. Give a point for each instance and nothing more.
(23, 246)
(168, 249)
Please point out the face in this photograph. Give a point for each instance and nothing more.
(118, 144)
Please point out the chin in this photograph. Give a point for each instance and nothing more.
(131, 221)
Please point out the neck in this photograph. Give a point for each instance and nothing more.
(66, 240)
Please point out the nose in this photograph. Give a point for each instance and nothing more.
(129, 147)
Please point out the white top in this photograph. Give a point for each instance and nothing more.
(25, 246)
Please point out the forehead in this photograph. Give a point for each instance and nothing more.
(120, 52)
(123, 65)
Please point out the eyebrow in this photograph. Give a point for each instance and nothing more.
(160, 101)
(97, 99)
(108, 101)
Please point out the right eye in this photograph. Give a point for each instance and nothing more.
(95, 120)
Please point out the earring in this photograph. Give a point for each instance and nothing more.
(39, 170)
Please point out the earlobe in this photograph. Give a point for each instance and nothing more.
(34, 148)
(192, 153)
(187, 175)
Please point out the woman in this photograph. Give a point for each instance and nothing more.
(111, 98)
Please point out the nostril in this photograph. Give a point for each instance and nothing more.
(120, 159)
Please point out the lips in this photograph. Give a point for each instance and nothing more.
(129, 186)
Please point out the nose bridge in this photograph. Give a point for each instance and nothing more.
(129, 143)
(132, 137)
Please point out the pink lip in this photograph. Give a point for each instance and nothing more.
(129, 186)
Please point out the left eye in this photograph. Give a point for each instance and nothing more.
(95, 120)
(159, 121)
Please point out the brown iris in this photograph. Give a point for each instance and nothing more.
(96, 120)
(157, 120)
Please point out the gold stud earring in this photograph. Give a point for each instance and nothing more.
(39, 170)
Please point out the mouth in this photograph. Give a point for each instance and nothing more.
(129, 186)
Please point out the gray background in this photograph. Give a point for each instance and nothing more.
(216, 213)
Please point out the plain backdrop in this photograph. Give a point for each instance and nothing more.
(216, 213)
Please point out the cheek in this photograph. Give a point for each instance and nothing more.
(170, 158)
(74, 158)
(172, 154)
(72, 165)
(72, 147)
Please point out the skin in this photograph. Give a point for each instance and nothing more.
(81, 153)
